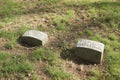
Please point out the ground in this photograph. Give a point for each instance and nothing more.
(65, 21)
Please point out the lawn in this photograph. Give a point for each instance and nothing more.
(65, 21)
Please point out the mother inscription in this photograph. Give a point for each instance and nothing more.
(90, 50)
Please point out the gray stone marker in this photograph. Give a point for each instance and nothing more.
(90, 50)
(34, 38)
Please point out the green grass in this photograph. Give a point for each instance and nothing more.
(4, 33)
(80, 33)
(12, 36)
(61, 21)
(48, 1)
(112, 36)
(11, 44)
(104, 13)
(96, 73)
(4, 55)
(14, 68)
(71, 17)
(12, 8)
(15, 65)
(7, 7)
(21, 30)
(90, 32)
(45, 55)
(2, 24)
(57, 73)
(112, 50)
(7, 19)
(52, 69)
(35, 76)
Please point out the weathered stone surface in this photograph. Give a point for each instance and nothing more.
(34, 38)
(90, 50)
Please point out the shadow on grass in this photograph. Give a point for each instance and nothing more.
(69, 54)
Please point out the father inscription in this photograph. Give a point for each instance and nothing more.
(90, 50)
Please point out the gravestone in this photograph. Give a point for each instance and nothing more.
(34, 38)
(90, 50)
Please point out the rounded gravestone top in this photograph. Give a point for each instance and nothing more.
(34, 37)
(94, 45)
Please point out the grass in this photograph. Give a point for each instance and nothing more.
(15, 65)
(96, 75)
(21, 30)
(35, 77)
(48, 1)
(13, 8)
(80, 33)
(61, 21)
(67, 20)
(2, 24)
(113, 37)
(110, 19)
(112, 48)
(4, 33)
(57, 73)
(4, 55)
(13, 36)
(7, 8)
(10, 7)
(89, 32)
(8, 19)
(11, 44)
(44, 55)
(114, 64)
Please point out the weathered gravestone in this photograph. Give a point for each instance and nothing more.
(34, 38)
(90, 50)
